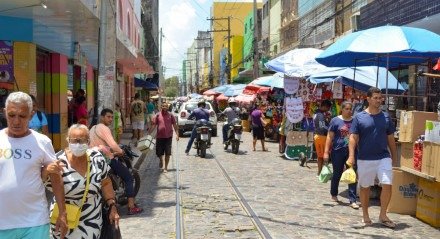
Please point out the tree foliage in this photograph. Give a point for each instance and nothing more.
(171, 87)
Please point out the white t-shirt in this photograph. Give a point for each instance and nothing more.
(22, 196)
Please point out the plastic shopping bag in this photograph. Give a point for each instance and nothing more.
(348, 176)
(326, 174)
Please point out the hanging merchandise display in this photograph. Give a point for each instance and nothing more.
(294, 109)
(291, 85)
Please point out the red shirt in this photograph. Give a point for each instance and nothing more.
(164, 122)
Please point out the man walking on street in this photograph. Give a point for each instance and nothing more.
(137, 109)
(372, 132)
(150, 113)
(198, 114)
(165, 123)
(24, 211)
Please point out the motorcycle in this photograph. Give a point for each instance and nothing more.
(203, 138)
(234, 135)
(118, 183)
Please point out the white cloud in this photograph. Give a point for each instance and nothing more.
(178, 28)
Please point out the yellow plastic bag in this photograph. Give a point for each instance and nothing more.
(348, 176)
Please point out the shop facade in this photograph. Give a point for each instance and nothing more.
(48, 53)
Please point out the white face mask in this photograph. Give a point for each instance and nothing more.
(78, 149)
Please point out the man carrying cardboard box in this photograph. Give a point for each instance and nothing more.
(372, 131)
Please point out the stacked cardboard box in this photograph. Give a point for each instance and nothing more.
(412, 125)
(404, 194)
(428, 202)
(431, 159)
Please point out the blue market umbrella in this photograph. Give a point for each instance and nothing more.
(274, 81)
(195, 96)
(382, 46)
(297, 62)
(234, 90)
(364, 79)
(221, 89)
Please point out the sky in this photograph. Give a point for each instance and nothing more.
(180, 20)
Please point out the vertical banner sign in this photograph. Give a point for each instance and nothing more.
(6, 62)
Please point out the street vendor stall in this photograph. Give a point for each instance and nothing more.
(417, 192)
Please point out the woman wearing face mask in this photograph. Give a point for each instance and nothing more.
(80, 163)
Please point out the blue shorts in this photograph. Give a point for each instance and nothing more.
(38, 232)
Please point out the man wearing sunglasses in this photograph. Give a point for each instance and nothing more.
(101, 136)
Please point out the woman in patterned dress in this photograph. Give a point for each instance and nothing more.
(74, 167)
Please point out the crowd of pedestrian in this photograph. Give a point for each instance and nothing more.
(77, 176)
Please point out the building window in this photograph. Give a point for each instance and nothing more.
(121, 16)
(128, 25)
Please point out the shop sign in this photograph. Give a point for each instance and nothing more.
(110, 73)
(291, 85)
(6, 62)
(79, 57)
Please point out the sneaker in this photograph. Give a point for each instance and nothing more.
(187, 153)
(354, 205)
(134, 210)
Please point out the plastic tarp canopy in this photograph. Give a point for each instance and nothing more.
(144, 84)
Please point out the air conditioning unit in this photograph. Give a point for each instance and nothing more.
(355, 22)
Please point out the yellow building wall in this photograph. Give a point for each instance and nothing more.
(238, 11)
(25, 67)
(237, 55)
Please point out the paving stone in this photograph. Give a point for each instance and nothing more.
(288, 199)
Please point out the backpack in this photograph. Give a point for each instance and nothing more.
(40, 116)
(137, 108)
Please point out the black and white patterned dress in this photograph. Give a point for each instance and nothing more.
(74, 185)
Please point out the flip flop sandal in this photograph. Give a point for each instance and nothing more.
(388, 223)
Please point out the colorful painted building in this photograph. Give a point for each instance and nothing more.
(52, 52)
(220, 12)
(52, 49)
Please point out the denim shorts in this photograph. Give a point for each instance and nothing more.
(37, 232)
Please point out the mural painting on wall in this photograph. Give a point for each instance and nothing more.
(6, 62)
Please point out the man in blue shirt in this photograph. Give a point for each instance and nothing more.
(198, 114)
(372, 132)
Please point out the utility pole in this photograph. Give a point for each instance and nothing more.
(160, 69)
(229, 60)
(190, 78)
(256, 67)
(99, 100)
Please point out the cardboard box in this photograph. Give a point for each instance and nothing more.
(428, 202)
(432, 131)
(412, 124)
(431, 159)
(404, 193)
(406, 155)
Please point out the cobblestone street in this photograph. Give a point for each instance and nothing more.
(287, 198)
